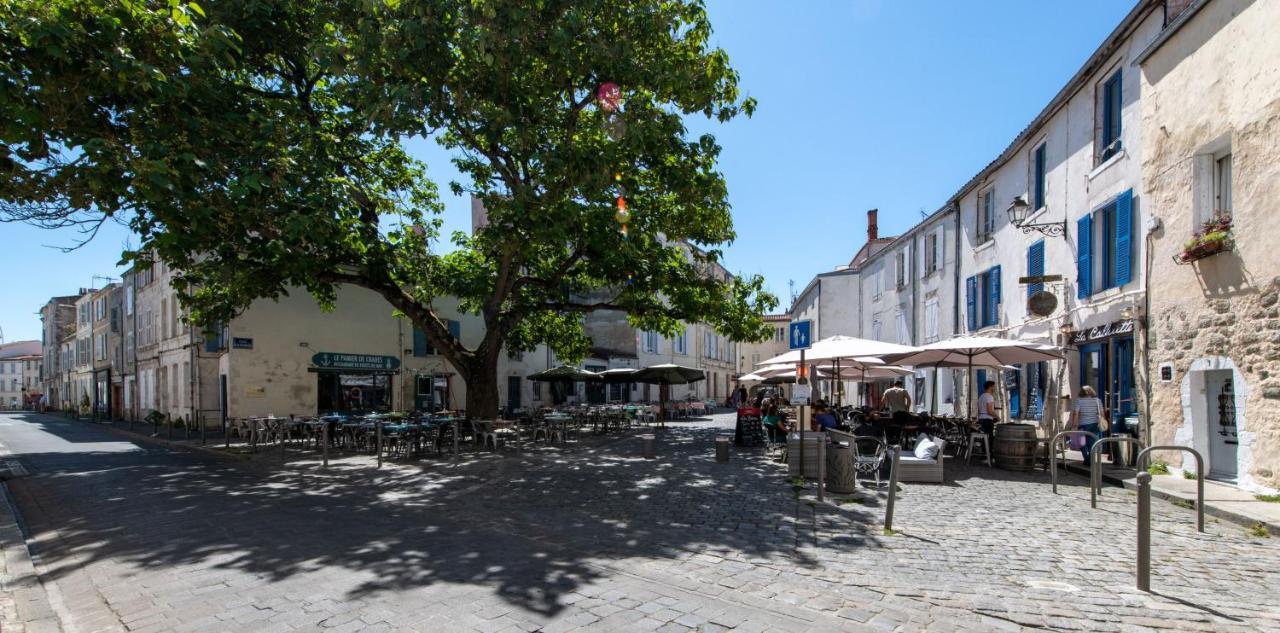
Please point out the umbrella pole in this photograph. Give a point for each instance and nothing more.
(933, 402)
(968, 394)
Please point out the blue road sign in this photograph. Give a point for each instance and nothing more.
(799, 334)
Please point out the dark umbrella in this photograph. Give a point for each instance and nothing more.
(667, 374)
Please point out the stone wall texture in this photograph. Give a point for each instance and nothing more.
(1214, 86)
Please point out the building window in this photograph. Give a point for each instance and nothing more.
(1222, 186)
(1112, 104)
(982, 298)
(986, 216)
(901, 268)
(1038, 179)
(681, 342)
(1035, 266)
(1104, 247)
(649, 342)
(900, 324)
(420, 346)
(877, 282)
(931, 252)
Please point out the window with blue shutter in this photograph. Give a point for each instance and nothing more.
(1035, 266)
(991, 297)
(1038, 200)
(1112, 103)
(971, 300)
(1123, 267)
(420, 346)
(1084, 250)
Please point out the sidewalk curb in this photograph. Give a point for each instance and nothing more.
(1209, 508)
(20, 583)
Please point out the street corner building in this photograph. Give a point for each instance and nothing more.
(1210, 124)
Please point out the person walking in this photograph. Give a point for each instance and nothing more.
(896, 400)
(1087, 414)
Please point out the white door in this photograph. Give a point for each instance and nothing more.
(1221, 402)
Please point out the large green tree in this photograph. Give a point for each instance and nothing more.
(260, 145)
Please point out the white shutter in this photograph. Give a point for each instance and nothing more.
(904, 337)
(939, 251)
(906, 262)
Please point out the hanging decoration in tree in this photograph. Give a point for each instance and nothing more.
(609, 97)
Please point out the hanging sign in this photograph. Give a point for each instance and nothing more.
(1115, 328)
(333, 360)
(800, 394)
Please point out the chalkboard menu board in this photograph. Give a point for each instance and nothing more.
(749, 430)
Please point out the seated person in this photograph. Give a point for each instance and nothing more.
(823, 419)
(774, 421)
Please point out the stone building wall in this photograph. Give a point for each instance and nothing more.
(1212, 88)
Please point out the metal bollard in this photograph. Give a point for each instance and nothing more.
(324, 443)
(722, 448)
(822, 469)
(893, 488)
(1144, 531)
(647, 449)
(379, 443)
(455, 440)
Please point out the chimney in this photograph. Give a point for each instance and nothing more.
(872, 231)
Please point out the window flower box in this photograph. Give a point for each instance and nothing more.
(1213, 237)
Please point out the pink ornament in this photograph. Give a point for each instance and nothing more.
(418, 230)
(609, 95)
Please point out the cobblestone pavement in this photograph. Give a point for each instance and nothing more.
(592, 537)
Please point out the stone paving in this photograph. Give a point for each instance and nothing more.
(592, 537)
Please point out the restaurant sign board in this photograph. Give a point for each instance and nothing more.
(335, 360)
(1115, 328)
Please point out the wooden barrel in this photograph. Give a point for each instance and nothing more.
(1015, 446)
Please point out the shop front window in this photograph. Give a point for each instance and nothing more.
(354, 392)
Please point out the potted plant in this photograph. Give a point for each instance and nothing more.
(1213, 237)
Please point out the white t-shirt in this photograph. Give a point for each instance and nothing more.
(984, 401)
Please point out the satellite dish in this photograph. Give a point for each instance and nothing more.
(1042, 303)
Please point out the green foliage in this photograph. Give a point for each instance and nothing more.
(1258, 530)
(1186, 474)
(1158, 467)
(1268, 498)
(260, 146)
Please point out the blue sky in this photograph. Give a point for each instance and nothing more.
(887, 104)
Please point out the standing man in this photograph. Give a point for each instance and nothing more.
(896, 400)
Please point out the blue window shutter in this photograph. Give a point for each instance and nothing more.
(1035, 266)
(971, 299)
(992, 308)
(981, 380)
(1084, 250)
(455, 329)
(1040, 169)
(420, 347)
(1124, 241)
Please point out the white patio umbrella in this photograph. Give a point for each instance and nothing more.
(842, 348)
(982, 351)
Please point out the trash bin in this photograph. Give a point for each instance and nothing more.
(1124, 454)
(722, 447)
(810, 454)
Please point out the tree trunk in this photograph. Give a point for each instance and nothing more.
(481, 376)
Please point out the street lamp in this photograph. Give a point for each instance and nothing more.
(1019, 210)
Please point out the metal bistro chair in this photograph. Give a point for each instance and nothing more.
(869, 455)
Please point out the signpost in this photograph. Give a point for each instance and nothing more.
(799, 337)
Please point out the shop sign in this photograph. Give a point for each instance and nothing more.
(334, 360)
(239, 342)
(1115, 328)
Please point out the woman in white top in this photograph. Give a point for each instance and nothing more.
(987, 407)
(1086, 414)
